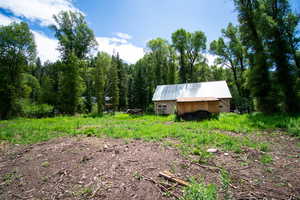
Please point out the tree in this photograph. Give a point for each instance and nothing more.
(17, 49)
(122, 83)
(172, 68)
(276, 31)
(159, 55)
(190, 47)
(70, 88)
(99, 82)
(196, 44)
(114, 84)
(73, 34)
(179, 39)
(249, 14)
(232, 53)
(87, 74)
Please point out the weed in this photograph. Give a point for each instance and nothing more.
(264, 147)
(137, 176)
(269, 170)
(225, 180)
(10, 177)
(45, 164)
(200, 191)
(266, 159)
(83, 191)
(45, 179)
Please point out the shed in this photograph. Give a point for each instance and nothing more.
(165, 96)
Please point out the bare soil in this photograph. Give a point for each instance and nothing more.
(98, 168)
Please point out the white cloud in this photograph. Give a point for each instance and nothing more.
(4, 20)
(123, 36)
(37, 10)
(126, 50)
(210, 58)
(46, 47)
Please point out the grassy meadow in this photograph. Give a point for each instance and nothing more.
(221, 133)
(228, 132)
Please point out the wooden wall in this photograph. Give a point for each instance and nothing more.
(224, 105)
(186, 107)
(170, 107)
(212, 106)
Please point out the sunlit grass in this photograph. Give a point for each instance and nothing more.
(200, 135)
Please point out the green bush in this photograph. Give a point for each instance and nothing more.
(32, 110)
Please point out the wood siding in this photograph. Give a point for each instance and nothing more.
(186, 107)
(224, 105)
(169, 107)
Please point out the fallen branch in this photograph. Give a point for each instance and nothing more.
(171, 177)
(161, 187)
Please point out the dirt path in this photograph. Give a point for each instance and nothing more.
(95, 168)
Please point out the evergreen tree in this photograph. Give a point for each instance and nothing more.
(99, 84)
(122, 84)
(114, 84)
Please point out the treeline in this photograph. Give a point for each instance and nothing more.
(259, 58)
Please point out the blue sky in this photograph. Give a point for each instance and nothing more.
(124, 25)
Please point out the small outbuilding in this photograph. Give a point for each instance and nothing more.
(213, 97)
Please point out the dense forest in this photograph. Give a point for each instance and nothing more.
(259, 58)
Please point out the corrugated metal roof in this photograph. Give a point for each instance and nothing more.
(217, 89)
(195, 99)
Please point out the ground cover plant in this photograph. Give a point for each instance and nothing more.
(255, 152)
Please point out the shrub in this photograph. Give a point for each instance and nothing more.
(32, 110)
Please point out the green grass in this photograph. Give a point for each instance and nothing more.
(200, 191)
(266, 159)
(196, 136)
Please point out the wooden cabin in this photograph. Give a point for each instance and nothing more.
(213, 96)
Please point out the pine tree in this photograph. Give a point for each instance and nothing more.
(114, 84)
(99, 85)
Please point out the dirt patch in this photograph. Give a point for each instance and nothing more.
(97, 168)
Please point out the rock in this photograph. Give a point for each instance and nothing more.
(212, 150)
(226, 154)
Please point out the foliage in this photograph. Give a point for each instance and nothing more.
(99, 82)
(150, 127)
(200, 191)
(73, 34)
(70, 85)
(114, 83)
(17, 48)
(33, 110)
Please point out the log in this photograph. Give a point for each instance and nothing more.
(171, 177)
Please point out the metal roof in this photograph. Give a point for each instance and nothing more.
(216, 89)
(196, 99)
